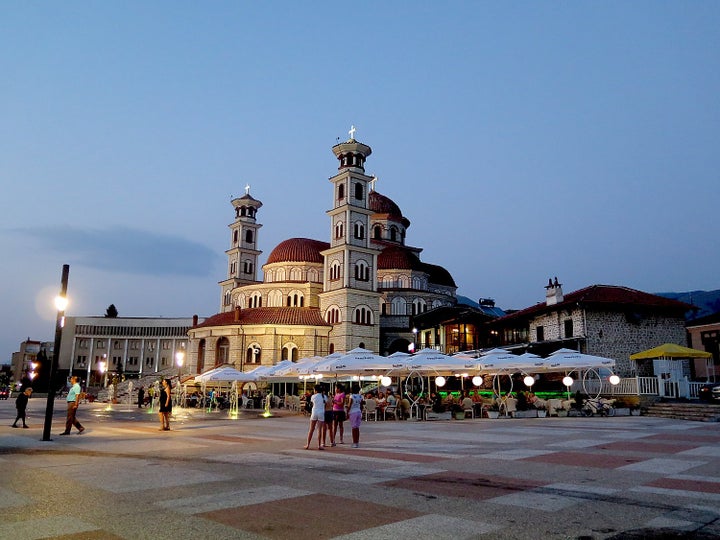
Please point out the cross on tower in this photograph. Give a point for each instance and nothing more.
(352, 132)
(247, 189)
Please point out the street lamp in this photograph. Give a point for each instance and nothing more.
(179, 360)
(61, 304)
(102, 368)
(414, 343)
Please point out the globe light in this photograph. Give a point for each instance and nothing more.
(386, 381)
(440, 381)
(477, 380)
(614, 379)
(529, 380)
(567, 381)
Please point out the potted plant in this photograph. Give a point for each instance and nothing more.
(457, 411)
(493, 411)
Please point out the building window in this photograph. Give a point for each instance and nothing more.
(363, 315)
(333, 315)
(253, 354)
(359, 230)
(393, 234)
(235, 237)
(568, 328)
(335, 270)
(100, 343)
(83, 343)
(227, 298)
(248, 266)
(377, 232)
(359, 191)
(339, 230)
(255, 300)
(362, 271)
(249, 237)
(295, 299)
(341, 192)
(81, 361)
(540, 333)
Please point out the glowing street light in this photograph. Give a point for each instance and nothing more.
(179, 360)
(102, 368)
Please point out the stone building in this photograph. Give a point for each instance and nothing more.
(603, 320)
(359, 289)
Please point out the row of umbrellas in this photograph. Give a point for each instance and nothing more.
(362, 362)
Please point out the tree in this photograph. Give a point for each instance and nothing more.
(111, 312)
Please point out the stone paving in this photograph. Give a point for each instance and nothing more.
(216, 477)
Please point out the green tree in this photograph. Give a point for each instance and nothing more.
(111, 311)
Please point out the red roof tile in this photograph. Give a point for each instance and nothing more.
(268, 315)
(604, 295)
(298, 250)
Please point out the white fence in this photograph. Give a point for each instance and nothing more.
(639, 386)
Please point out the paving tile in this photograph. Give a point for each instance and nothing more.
(581, 459)
(686, 485)
(662, 466)
(428, 526)
(647, 447)
(331, 516)
(462, 485)
(48, 527)
(548, 502)
(231, 499)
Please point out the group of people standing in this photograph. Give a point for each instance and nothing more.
(331, 412)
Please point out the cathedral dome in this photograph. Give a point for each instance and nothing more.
(397, 258)
(380, 204)
(439, 275)
(298, 250)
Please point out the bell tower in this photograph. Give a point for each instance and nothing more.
(350, 300)
(243, 253)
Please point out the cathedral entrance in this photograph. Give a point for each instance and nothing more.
(399, 345)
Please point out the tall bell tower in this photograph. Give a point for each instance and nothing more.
(243, 253)
(350, 300)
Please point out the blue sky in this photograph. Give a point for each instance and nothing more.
(523, 140)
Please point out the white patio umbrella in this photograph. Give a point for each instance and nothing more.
(567, 359)
(360, 362)
(225, 374)
(430, 361)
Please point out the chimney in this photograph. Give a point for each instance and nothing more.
(195, 320)
(237, 313)
(553, 292)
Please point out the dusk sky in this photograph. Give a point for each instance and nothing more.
(523, 140)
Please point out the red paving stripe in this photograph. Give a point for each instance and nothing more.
(577, 459)
(415, 458)
(315, 516)
(709, 438)
(686, 485)
(646, 447)
(471, 486)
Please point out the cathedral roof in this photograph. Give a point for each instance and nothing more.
(439, 275)
(380, 204)
(398, 258)
(304, 316)
(298, 250)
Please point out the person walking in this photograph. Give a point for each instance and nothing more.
(141, 397)
(338, 413)
(73, 402)
(327, 426)
(354, 410)
(21, 405)
(316, 415)
(165, 405)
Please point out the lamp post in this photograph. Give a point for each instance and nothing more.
(414, 344)
(179, 360)
(61, 305)
(102, 368)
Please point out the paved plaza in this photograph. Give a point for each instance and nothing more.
(216, 477)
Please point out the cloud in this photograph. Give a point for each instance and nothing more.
(125, 250)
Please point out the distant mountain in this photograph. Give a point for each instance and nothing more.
(708, 302)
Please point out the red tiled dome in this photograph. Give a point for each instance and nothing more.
(298, 250)
(439, 275)
(380, 204)
(397, 258)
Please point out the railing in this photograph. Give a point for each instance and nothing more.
(640, 386)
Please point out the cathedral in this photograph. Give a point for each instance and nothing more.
(360, 289)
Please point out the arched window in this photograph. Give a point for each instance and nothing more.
(383, 307)
(359, 191)
(331, 348)
(201, 356)
(240, 301)
(313, 276)
(335, 270)
(295, 299)
(417, 283)
(255, 300)
(377, 232)
(290, 352)
(333, 315)
(280, 274)
(222, 351)
(249, 236)
(393, 233)
(398, 307)
(227, 298)
(363, 315)
(275, 298)
(253, 354)
(341, 192)
(339, 230)
(362, 271)
(404, 282)
(295, 274)
(269, 276)
(419, 306)
(247, 266)
(235, 236)
(388, 282)
(359, 230)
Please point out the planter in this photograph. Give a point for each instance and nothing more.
(561, 412)
(493, 414)
(532, 413)
(622, 411)
(634, 412)
(459, 415)
(541, 413)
